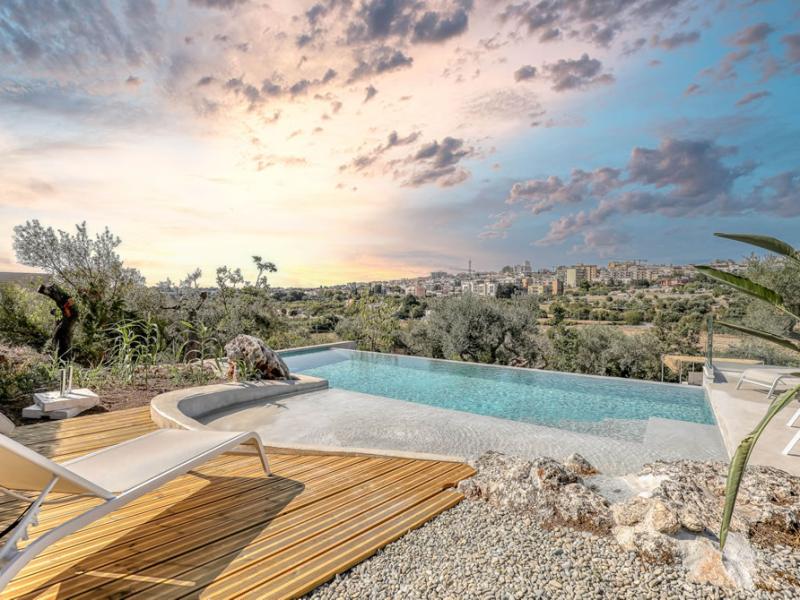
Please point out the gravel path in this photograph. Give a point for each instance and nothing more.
(476, 551)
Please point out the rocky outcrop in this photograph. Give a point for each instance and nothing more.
(541, 487)
(767, 508)
(245, 352)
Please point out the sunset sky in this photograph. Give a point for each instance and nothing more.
(359, 140)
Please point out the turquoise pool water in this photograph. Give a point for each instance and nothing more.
(606, 406)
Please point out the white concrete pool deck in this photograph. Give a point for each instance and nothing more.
(739, 411)
(343, 419)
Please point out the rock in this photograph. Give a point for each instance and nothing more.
(661, 518)
(703, 562)
(767, 508)
(542, 487)
(579, 465)
(630, 512)
(256, 356)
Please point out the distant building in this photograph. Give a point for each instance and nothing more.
(548, 287)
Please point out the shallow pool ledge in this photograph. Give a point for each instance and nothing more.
(189, 407)
(183, 409)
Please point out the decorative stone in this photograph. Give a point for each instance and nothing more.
(259, 357)
(630, 512)
(542, 487)
(661, 518)
(579, 465)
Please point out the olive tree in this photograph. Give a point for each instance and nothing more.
(88, 276)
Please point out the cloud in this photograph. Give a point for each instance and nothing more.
(779, 194)
(71, 101)
(218, 4)
(438, 162)
(676, 40)
(524, 73)
(602, 241)
(434, 27)
(506, 104)
(752, 97)
(571, 74)
(58, 37)
(371, 92)
(751, 43)
(379, 60)
(542, 195)
(792, 43)
(691, 90)
(407, 20)
(596, 22)
(680, 178)
(393, 140)
(755, 34)
(499, 228)
(264, 161)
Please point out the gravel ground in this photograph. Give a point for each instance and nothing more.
(476, 551)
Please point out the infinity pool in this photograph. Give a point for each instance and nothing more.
(619, 408)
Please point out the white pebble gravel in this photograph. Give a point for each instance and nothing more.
(476, 551)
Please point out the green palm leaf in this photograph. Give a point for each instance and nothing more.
(764, 241)
(786, 342)
(742, 456)
(744, 285)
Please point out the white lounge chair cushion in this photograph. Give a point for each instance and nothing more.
(129, 464)
(768, 376)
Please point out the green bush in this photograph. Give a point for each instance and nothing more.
(25, 318)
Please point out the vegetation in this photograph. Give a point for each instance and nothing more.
(785, 299)
(130, 334)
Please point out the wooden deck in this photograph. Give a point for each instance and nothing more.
(225, 530)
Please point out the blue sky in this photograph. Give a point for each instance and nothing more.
(370, 139)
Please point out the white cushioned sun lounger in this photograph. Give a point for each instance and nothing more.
(770, 378)
(118, 475)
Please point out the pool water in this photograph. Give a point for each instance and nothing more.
(613, 407)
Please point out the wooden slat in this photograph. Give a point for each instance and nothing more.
(225, 530)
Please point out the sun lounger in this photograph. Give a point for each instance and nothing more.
(118, 475)
(770, 378)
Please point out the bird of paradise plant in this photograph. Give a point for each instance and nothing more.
(751, 288)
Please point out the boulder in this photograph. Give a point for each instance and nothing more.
(542, 487)
(579, 465)
(259, 359)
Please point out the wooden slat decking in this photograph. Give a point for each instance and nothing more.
(225, 530)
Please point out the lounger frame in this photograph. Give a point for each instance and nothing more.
(771, 387)
(13, 559)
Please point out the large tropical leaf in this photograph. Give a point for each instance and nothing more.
(764, 241)
(744, 285)
(786, 342)
(742, 456)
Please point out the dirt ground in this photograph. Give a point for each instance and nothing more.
(114, 397)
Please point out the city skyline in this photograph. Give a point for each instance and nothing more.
(381, 139)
